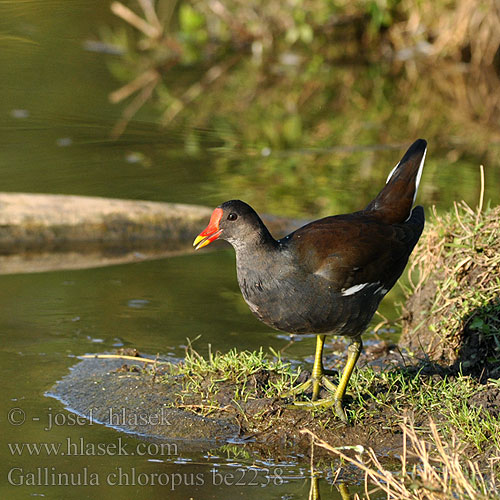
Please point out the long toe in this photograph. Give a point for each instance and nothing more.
(319, 403)
(339, 410)
(299, 389)
(304, 386)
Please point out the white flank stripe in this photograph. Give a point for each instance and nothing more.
(381, 290)
(354, 289)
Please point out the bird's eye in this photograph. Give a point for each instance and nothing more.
(232, 216)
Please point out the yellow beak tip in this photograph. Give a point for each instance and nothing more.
(200, 242)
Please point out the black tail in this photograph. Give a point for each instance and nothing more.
(393, 204)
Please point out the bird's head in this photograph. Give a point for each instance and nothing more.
(233, 221)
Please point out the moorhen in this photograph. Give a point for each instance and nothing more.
(329, 276)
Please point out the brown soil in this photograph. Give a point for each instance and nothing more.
(94, 386)
(488, 400)
(267, 427)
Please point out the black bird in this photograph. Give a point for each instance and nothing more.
(329, 276)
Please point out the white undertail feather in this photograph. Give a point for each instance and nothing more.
(417, 179)
(419, 174)
(391, 172)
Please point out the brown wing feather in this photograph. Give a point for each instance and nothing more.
(355, 249)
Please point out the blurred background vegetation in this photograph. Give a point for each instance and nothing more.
(285, 92)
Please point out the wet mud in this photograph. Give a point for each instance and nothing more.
(140, 399)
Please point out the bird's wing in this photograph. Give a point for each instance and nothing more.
(351, 251)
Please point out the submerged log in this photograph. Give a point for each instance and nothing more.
(41, 222)
(40, 232)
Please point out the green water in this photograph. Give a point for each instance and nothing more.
(55, 120)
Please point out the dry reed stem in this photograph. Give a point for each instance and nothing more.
(195, 90)
(440, 473)
(123, 356)
(450, 29)
(134, 20)
(130, 88)
(136, 104)
(147, 7)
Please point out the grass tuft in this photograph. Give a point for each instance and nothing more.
(389, 395)
(453, 310)
(249, 375)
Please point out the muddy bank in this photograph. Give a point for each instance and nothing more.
(155, 402)
(204, 408)
(40, 232)
(135, 397)
(133, 402)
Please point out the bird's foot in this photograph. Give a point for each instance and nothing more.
(316, 382)
(322, 404)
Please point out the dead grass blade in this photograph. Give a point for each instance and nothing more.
(431, 469)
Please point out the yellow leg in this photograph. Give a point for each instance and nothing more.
(353, 352)
(317, 373)
(318, 379)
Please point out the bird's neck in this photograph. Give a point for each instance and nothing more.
(256, 258)
(256, 242)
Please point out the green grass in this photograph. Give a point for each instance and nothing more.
(397, 393)
(372, 396)
(452, 447)
(206, 377)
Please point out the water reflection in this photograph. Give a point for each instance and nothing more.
(314, 492)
